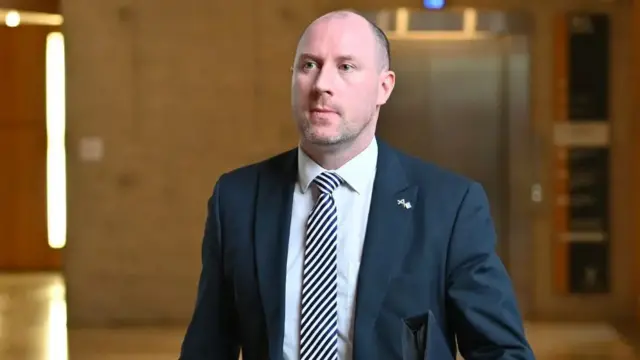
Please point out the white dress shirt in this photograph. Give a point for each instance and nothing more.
(352, 201)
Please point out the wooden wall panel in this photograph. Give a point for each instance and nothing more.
(23, 230)
(45, 6)
(23, 219)
(560, 170)
(635, 147)
(22, 68)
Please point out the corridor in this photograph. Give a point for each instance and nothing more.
(33, 313)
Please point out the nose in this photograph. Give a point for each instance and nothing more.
(325, 81)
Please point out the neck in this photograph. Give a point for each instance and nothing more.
(332, 157)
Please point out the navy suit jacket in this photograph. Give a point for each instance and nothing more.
(438, 255)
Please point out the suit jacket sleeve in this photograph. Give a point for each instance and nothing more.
(481, 302)
(212, 334)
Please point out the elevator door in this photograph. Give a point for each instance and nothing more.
(462, 104)
(446, 108)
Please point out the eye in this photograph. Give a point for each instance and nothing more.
(346, 67)
(308, 65)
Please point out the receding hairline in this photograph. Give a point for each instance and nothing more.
(382, 42)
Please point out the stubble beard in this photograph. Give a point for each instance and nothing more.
(344, 135)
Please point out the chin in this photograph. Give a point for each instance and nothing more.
(324, 138)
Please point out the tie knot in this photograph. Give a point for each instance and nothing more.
(327, 182)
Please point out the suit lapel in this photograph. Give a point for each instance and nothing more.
(389, 231)
(273, 218)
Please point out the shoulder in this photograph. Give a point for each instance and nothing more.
(435, 180)
(245, 176)
(425, 172)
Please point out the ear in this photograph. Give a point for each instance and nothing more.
(387, 82)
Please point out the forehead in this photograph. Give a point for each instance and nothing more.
(335, 36)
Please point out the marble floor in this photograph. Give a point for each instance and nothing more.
(33, 316)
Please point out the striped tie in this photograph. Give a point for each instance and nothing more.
(319, 317)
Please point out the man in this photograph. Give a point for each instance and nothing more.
(322, 252)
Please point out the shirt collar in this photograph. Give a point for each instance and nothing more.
(357, 173)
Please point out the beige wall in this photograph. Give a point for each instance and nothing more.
(181, 92)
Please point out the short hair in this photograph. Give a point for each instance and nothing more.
(383, 43)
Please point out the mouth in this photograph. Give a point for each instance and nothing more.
(323, 111)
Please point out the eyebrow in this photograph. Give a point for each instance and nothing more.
(317, 58)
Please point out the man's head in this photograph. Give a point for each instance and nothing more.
(340, 79)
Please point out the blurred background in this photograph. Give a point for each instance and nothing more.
(117, 117)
